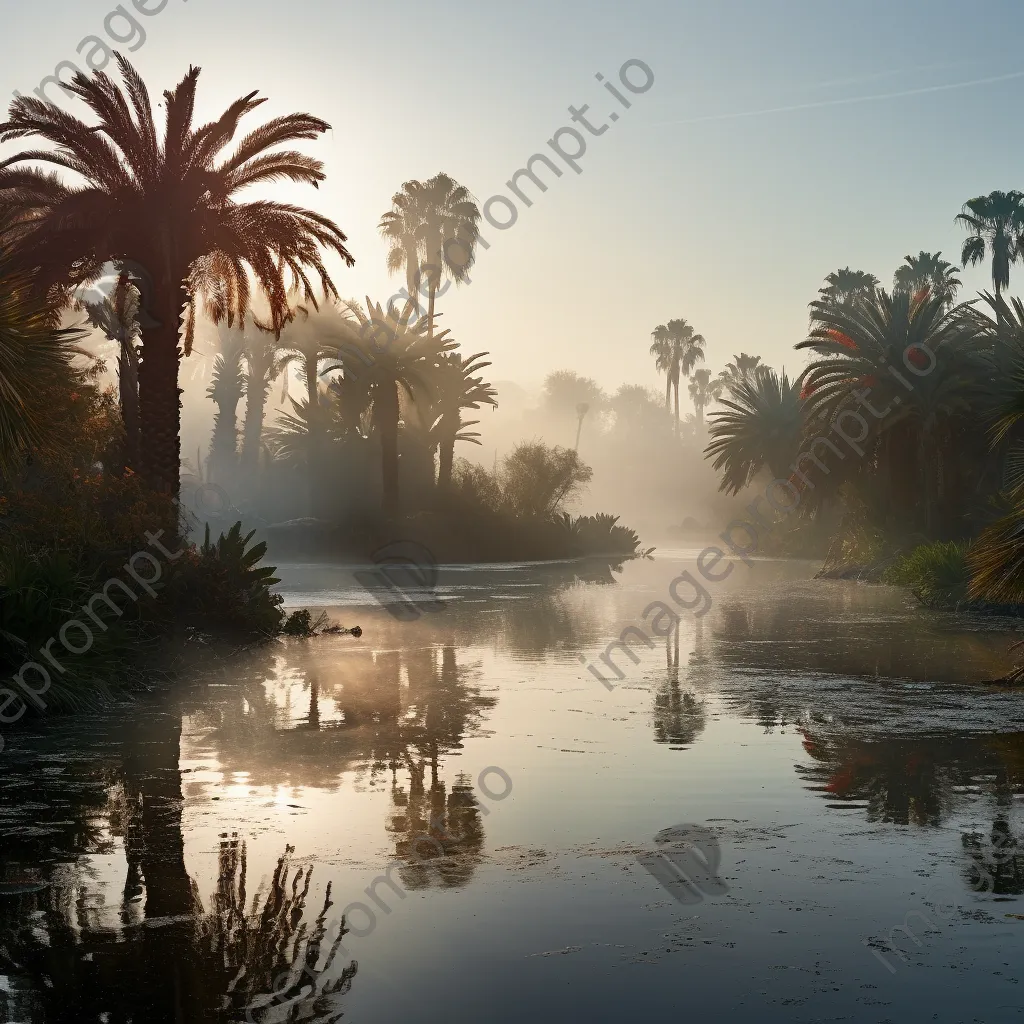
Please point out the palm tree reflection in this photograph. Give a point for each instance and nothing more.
(679, 716)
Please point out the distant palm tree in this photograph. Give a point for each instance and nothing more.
(264, 361)
(846, 285)
(432, 227)
(227, 388)
(168, 204)
(401, 226)
(677, 349)
(994, 223)
(450, 230)
(117, 316)
(928, 270)
(455, 388)
(401, 354)
(742, 365)
(704, 389)
(760, 427)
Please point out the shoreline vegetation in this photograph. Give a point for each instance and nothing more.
(101, 566)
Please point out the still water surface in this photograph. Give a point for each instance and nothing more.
(833, 747)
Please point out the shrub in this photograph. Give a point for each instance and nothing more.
(538, 481)
(936, 574)
(221, 586)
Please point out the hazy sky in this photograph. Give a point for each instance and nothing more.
(779, 141)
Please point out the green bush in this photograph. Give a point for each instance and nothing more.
(936, 574)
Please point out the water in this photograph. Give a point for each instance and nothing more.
(829, 755)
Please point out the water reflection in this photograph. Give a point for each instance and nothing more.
(680, 715)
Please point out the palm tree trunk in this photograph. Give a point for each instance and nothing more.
(160, 406)
(446, 458)
(128, 389)
(224, 442)
(675, 387)
(252, 431)
(386, 417)
(315, 422)
(668, 393)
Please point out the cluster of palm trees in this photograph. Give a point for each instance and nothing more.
(944, 453)
(118, 190)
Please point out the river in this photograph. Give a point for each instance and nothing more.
(803, 805)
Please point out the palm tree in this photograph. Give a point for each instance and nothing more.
(860, 347)
(264, 361)
(402, 227)
(927, 270)
(226, 389)
(703, 391)
(759, 428)
(456, 388)
(846, 285)
(742, 365)
(117, 316)
(303, 342)
(406, 360)
(665, 360)
(169, 205)
(432, 227)
(994, 224)
(677, 349)
(450, 230)
(35, 354)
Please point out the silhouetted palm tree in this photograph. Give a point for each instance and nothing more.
(227, 388)
(455, 389)
(264, 361)
(432, 227)
(846, 285)
(760, 427)
(742, 365)
(994, 223)
(677, 350)
(927, 270)
(383, 353)
(167, 204)
(856, 349)
(704, 390)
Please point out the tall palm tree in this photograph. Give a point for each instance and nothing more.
(401, 226)
(994, 224)
(432, 228)
(677, 349)
(450, 230)
(761, 427)
(169, 205)
(117, 316)
(928, 270)
(35, 353)
(665, 360)
(704, 389)
(385, 353)
(226, 389)
(846, 285)
(456, 387)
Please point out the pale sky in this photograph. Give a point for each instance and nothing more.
(779, 141)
